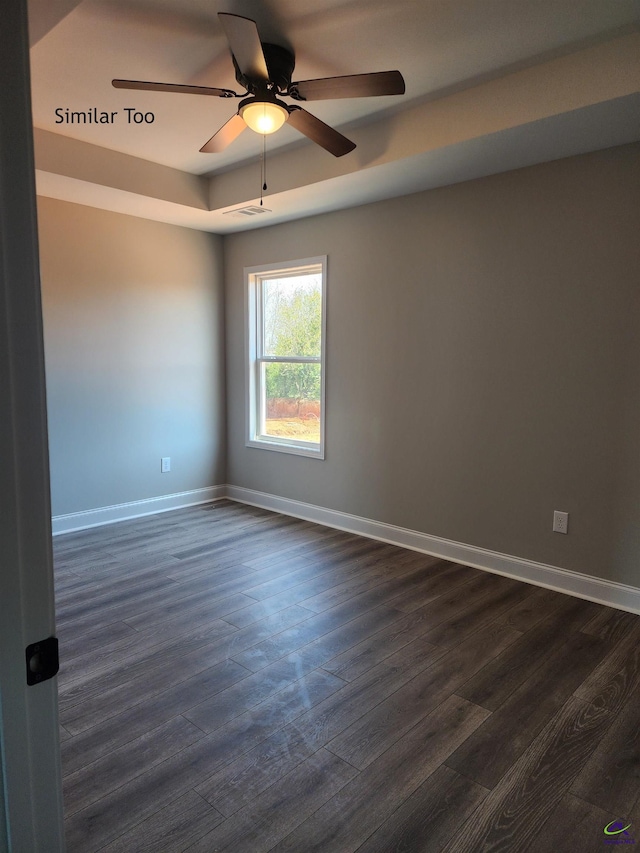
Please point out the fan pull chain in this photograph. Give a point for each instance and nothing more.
(263, 168)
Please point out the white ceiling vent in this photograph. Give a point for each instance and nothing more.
(249, 210)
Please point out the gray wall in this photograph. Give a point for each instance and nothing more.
(483, 362)
(134, 341)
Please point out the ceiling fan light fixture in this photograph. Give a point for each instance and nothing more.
(264, 116)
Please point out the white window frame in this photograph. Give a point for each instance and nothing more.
(255, 392)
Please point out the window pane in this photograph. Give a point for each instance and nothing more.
(292, 315)
(292, 404)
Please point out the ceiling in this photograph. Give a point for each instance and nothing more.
(490, 85)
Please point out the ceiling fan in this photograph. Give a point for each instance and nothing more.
(265, 70)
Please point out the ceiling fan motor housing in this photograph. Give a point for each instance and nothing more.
(280, 64)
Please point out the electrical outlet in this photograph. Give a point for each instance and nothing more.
(560, 522)
(165, 464)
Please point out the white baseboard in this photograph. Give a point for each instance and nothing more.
(551, 577)
(134, 509)
(561, 580)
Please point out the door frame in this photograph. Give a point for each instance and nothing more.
(31, 814)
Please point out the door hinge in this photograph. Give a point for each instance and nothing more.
(42, 660)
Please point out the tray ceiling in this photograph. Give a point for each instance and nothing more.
(481, 77)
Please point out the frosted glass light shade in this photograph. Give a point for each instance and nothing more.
(263, 116)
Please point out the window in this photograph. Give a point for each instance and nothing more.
(285, 387)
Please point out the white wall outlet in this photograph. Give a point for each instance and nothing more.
(165, 464)
(560, 522)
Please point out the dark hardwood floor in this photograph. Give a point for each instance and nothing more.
(236, 680)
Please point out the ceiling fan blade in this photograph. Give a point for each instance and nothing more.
(244, 41)
(329, 138)
(350, 86)
(172, 87)
(225, 136)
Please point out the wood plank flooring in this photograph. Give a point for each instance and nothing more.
(236, 680)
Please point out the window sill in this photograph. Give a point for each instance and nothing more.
(311, 451)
